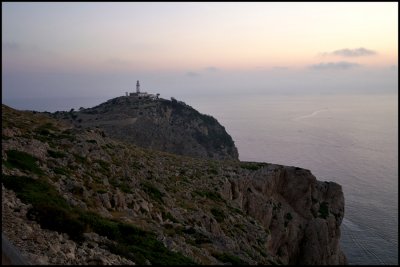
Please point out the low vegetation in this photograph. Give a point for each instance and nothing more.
(53, 212)
(214, 196)
(218, 214)
(323, 211)
(228, 258)
(253, 166)
(152, 191)
(23, 161)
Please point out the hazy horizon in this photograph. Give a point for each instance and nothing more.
(81, 50)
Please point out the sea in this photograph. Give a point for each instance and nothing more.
(350, 139)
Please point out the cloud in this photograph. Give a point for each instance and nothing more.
(342, 65)
(192, 74)
(211, 69)
(346, 52)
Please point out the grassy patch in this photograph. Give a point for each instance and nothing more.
(24, 161)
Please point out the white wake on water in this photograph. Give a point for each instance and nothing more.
(310, 115)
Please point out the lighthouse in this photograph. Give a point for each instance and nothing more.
(137, 87)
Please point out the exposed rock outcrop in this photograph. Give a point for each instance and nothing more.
(288, 200)
(159, 124)
(200, 210)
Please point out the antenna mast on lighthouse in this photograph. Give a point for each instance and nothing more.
(137, 87)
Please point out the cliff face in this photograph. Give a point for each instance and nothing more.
(170, 126)
(303, 214)
(136, 205)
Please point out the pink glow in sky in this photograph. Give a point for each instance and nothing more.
(169, 43)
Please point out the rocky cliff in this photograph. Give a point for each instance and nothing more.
(170, 126)
(105, 201)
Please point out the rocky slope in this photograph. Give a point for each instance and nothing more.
(170, 126)
(141, 206)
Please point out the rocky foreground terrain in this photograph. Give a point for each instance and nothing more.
(77, 196)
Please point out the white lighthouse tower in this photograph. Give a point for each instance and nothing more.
(137, 87)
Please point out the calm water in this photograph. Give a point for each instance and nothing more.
(352, 140)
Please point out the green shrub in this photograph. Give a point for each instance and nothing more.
(213, 170)
(167, 215)
(24, 161)
(61, 171)
(34, 191)
(253, 166)
(46, 127)
(105, 166)
(125, 188)
(80, 159)
(215, 196)
(228, 258)
(100, 225)
(56, 154)
(134, 243)
(137, 165)
(200, 238)
(48, 207)
(56, 218)
(323, 211)
(218, 214)
(288, 218)
(152, 191)
(101, 191)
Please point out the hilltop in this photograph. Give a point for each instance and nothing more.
(165, 125)
(77, 196)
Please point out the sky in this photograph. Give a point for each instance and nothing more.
(101, 49)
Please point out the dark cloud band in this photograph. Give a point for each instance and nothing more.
(346, 52)
(342, 65)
